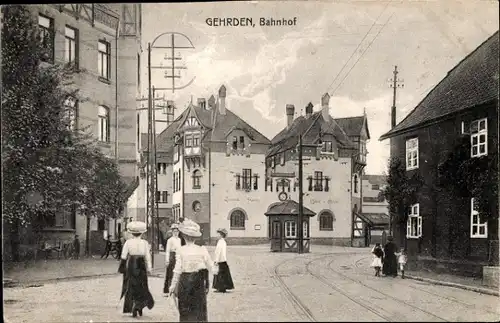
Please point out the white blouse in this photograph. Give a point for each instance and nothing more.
(173, 245)
(137, 247)
(192, 258)
(220, 251)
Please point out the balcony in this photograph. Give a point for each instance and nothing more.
(91, 12)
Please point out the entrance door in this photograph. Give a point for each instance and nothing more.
(276, 238)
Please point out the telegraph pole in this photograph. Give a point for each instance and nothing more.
(396, 83)
(301, 198)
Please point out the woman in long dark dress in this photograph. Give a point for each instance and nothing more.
(390, 264)
(191, 275)
(173, 245)
(222, 280)
(135, 265)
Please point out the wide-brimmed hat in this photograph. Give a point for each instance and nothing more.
(174, 226)
(136, 227)
(190, 228)
(223, 231)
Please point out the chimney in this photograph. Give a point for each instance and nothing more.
(290, 111)
(202, 103)
(309, 109)
(211, 102)
(325, 109)
(222, 98)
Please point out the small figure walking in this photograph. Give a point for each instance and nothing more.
(402, 259)
(172, 247)
(191, 275)
(222, 280)
(107, 249)
(378, 254)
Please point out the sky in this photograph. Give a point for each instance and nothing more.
(346, 48)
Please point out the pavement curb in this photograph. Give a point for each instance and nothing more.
(466, 287)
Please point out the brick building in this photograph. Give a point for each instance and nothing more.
(442, 229)
(102, 42)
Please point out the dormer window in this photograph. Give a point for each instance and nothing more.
(235, 142)
(327, 147)
(242, 142)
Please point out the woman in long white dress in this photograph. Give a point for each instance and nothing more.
(173, 246)
(191, 275)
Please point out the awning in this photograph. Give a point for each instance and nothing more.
(374, 219)
(288, 207)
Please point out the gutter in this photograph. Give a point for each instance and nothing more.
(116, 90)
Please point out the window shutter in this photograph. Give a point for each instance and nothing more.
(419, 226)
(408, 227)
(327, 180)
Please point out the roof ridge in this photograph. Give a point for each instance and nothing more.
(384, 136)
(246, 123)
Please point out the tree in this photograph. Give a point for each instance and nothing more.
(41, 153)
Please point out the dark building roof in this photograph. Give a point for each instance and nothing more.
(217, 127)
(375, 219)
(311, 127)
(376, 179)
(131, 184)
(472, 82)
(288, 207)
(353, 125)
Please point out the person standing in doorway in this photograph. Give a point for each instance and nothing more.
(191, 275)
(171, 249)
(223, 280)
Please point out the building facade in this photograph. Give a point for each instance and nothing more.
(375, 207)
(102, 43)
(221, 172)
(443, 229)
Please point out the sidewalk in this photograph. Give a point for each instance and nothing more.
(54, 269)
(467, 283)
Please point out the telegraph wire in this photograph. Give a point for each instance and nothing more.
(368, 47)
(359, 45)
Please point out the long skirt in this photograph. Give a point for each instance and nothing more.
(390, 265)
(135, 287)
(223, 280)
(170, 273)
(192, 297)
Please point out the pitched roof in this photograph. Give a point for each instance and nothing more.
(217, 127)
(353, 125)
(376, 179)
(471, 82)
(310, 128)
(288, 207)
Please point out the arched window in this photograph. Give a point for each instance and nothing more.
(103, 123)
(355, 183)
(237, 219)
(325, 221)
(196, 179)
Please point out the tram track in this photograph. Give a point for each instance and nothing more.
(329, 266)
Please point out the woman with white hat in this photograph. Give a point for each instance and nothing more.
(135, 266)
(173, 246)
(191, 275)
(223, 280)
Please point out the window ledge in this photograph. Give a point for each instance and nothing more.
(104, 80)
(233, 228)
(325, 229)
(57, 229)
(479, 237)
(196, 187)
(413, 237)
(411, 168)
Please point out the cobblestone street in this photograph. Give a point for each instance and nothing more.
(330, 283)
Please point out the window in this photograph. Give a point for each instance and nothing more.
(138, 71)
(174, 182)
(177, 149)
(255, 182)
(327, 147)
(375, 187)
(362, 151)
(164, 197)
(189, 141)
(305, 234)
(282, 184)
(46, 26)
(196, 140)
(237, 220)
(103, 120)
(161, 168)
(290, 229)
(414, 223)
(101, 225)
(70, 46)
(282, 159)
(104, 59)
(479, 138)
(318, 181)
(242, 142)
(356, 183)
(196, 179)
(235, 143)
(326, 221)
(70, 107)
(411, 153)
(179, 180)
(478, 225)
(238, 182)
(247, 179)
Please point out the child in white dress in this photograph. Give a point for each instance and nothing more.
(402, 259)
(378, 253)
